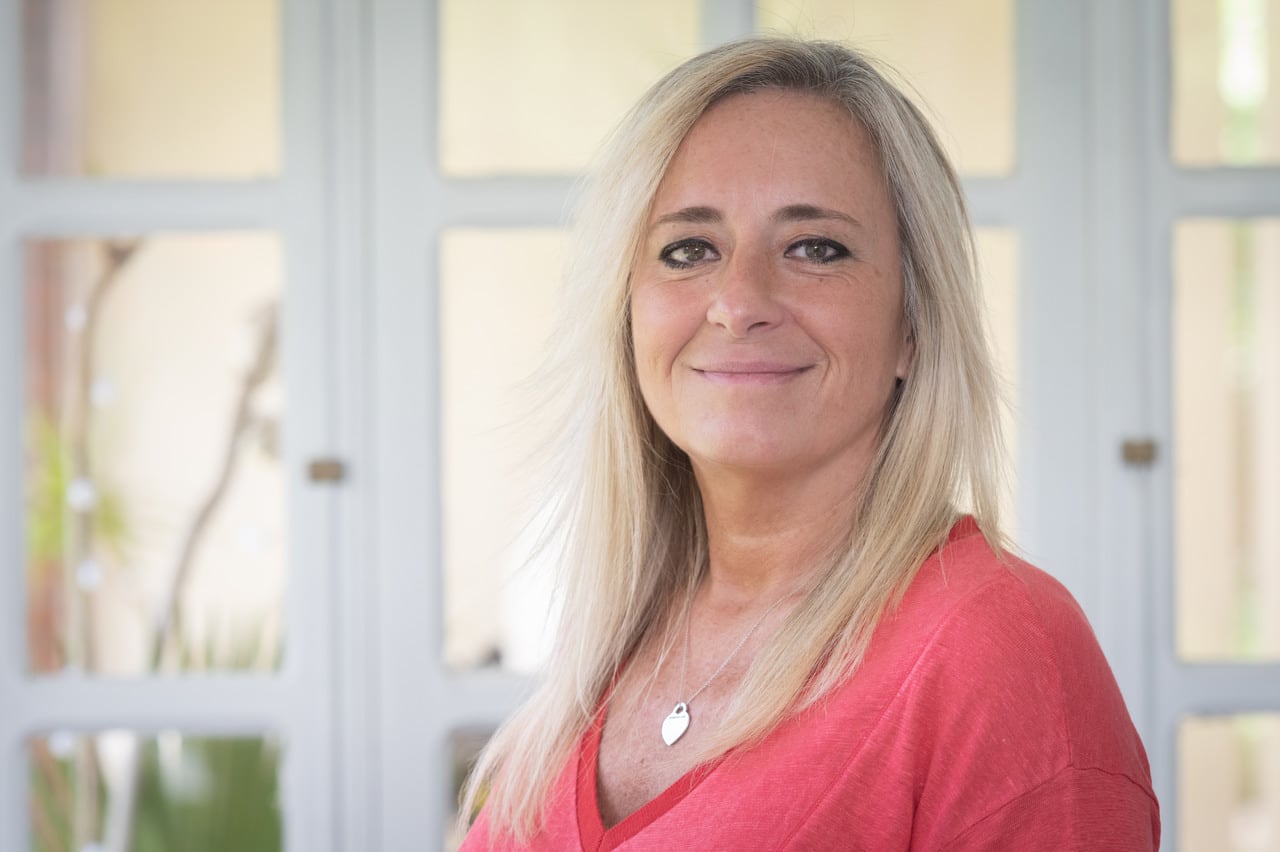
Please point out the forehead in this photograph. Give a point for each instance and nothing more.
(776, 147)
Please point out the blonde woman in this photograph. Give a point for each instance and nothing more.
(780, 631)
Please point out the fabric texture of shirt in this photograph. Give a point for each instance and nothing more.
(984, 716)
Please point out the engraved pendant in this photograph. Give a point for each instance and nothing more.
(674, 726)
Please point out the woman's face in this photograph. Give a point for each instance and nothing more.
(766, 303)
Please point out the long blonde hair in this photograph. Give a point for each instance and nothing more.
(627, 510)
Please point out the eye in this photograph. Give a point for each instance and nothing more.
(817, 250)
(687, 253)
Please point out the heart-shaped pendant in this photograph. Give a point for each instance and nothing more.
(674, 726)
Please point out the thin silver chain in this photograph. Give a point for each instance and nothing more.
(688, 619)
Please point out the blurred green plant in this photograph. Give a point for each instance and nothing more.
(235, 805)
(46, 500)
(195, 794)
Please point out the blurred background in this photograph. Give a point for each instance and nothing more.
(271, 275)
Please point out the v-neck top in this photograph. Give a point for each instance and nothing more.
(983, 716)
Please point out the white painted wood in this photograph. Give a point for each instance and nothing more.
(1223, 192)
(311, 807)
(726, 20)
(1117, 210)
(503, 202)
(355, 776)
(992, 201)
(406, 510)
(1156, 81)
(13, 773)
(66, 207)
(13, 765)
(206, 702)
(1057, 359)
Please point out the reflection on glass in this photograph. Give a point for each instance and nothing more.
(119, 790)
(495, 317)
(1229, 783)
(998, 265)
(535, 87)
(1226, 82)
(151, 88)
(959, 56)
(464, 747)
(1226, 389)
(154, 489)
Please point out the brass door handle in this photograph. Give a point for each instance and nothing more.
(1138, 452)
(326, 470)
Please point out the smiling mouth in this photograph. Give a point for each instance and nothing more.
(750, 374)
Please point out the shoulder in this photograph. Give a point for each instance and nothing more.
(993, 630)
(998, 696)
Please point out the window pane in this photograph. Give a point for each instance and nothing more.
(1229, 783)
(998, 265)
(495, 317)
(1226, 82)
(151, 88)
(1226, 389)
(154, 490)
(121, 790)
(464, 748)
(535, 87)
(947, 51)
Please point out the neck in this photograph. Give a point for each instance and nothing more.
(766, 534)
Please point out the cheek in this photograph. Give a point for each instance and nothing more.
(660, 327)
(646, 349)
(865, 338)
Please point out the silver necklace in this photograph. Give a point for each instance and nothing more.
(677, 722)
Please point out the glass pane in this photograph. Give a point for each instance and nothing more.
(151, 88)
(464, 748)
(120, 790)
(946, 51)
(1226, 82)
(1229, 783)
(495, 317)
(535, 87)
(155, 495)
(1226, 391)
(998, 264)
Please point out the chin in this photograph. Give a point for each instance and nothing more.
(748, 452)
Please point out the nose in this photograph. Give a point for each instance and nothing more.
(745, 302)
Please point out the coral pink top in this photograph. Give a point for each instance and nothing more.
(983, 717)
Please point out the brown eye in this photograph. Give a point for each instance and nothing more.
(690, 254)
(686, 253)
(817, 251)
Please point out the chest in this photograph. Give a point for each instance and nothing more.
(636, 765)
(813, 774)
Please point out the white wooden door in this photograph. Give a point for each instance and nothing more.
(168, 372)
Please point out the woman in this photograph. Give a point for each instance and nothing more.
(779, 630)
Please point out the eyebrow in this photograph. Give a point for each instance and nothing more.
(690, 216)
(790, 213)
(806, 212)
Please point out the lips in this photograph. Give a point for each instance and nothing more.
(750, 372)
